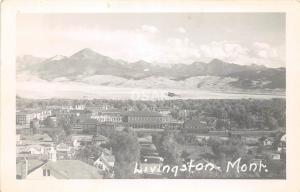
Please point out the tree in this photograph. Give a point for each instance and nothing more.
(271, 122)
(68, 129)
(49, 122)
(126, 150)
(34, 126)
(168, 149)
(89, 153)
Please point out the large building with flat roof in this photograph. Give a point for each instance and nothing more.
(143, 119)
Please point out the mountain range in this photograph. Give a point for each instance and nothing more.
(91, 67)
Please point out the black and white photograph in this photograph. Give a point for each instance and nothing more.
(160, 95)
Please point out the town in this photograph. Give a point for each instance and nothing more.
(106, 139)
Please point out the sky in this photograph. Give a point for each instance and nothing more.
(161, 38)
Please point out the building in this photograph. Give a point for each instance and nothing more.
(80, 139)
(267, 141)
(87, 126)
(105, 162)
(79, 107)
(112, 115)
(24, 118)
(81, 113)
(143, 119)
(65, 115)
(70, 116)
(96, 109)
(65, 169)
(43, 114)
(64, 151)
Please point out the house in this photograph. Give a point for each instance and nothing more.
(34, 151)
(80, 139)
(105, 162)
(43, 114)
(267, 141)
(62, 147)
(65, 169)
(64, 151)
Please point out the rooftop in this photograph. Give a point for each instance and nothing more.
(113, 111)
(80, 111)
(142, 113)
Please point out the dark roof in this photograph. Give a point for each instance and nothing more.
(142, 113)
(73, 169)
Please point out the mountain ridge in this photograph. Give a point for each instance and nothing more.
(87, 62)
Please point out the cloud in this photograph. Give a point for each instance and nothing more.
(235, 52)
(179, 50)
(150, 29)
(264, 50)
(147, 43)
(225, 50)
(181, 30)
